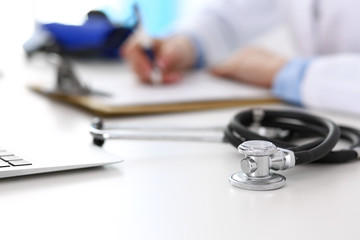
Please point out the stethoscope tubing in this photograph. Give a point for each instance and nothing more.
(324, 134)
(300, 123)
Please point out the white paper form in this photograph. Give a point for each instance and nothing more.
(125, 90)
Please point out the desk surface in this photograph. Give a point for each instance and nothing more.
(164, 190)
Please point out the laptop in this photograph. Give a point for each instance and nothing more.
(20, 157)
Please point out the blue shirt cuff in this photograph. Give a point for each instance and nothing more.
(288, 80)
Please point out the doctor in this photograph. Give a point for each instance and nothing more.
(325, 75)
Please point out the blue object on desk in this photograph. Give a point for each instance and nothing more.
(96, 37)
(89, 35)
(97, 34)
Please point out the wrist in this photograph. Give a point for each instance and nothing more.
(287, 82)
(188, 53)
(196, 54)
(184, 50)
(277, 65)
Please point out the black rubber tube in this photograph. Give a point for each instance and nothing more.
(237, 131)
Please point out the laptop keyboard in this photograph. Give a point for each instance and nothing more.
(8, 159)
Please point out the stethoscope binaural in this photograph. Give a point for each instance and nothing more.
(264, 138)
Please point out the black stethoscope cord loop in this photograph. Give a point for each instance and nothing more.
(348, 134)
(238, 131)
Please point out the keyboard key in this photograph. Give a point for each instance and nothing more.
(4, 164)
(11, 158)
(19, 163)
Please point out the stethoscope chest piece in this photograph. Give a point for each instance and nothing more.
(258, 158)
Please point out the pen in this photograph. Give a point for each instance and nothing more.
(146, 44)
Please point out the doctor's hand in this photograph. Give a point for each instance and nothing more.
(251, 65)
(173, 56)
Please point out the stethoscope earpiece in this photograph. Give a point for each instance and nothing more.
(97, 124)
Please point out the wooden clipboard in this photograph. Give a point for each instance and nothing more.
(100, 109)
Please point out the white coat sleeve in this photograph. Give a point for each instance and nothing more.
(223, 27)
(333, 82)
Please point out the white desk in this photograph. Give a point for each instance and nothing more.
(164, 190)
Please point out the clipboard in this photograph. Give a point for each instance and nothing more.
(127, 96)
(100, 109)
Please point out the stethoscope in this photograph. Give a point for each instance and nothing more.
(264, 138)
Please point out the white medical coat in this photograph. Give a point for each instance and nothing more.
(325, 31)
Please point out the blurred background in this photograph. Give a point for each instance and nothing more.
(18, 18)
(158, 15)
